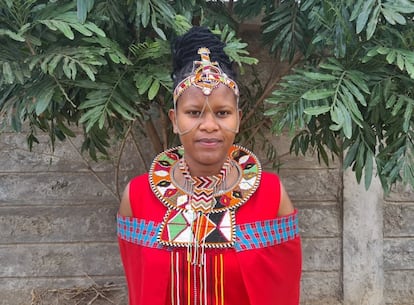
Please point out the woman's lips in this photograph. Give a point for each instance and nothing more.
(209, 141)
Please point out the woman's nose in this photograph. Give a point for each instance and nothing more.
(208, 122)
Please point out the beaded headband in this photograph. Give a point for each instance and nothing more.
(206, 75)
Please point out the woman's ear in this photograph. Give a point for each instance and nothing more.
(171, 115)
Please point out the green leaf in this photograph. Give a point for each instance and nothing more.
(330, 67)
(368, 169)
(407, 172)
(45, 61)
(322, 153)
(337, 116)
(152, 92)
(102, 118)
(92, 102)
(410, 68)
(87, 69)
(349, 102)
(143, 83)
(397, 107)
(94, 28)
(64, 28)
(355, 91)
(145, 11)
(351, 154)
(359, 82)
(320, 76)
(317, 110)
(271, 111)
(347, 125)
(12, 35)
(364, 15)
(73, 69)
(388, 15)
(83, 8)
(391, 101)
(400, 61)
(122, 111)
(65, 67)
(383, 50)
(391, 56)
(54, 62)
(407, 114)
(318, 94)
(8, 73)
(373, 21)
(357, 9)
(65, 129)
(81, 29)
(43, 100)
(156, 28)
(359, 162)
(91, 117)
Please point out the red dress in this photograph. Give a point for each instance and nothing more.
(263, 267)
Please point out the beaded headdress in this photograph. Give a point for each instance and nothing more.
(206, 75)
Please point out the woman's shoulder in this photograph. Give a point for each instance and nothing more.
(270, 179)
(130, 194)
(140, 178)
(272, 186)
(139, 181)
(270, 175)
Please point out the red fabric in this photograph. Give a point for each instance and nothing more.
(265, 276)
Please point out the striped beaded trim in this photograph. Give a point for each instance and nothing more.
(266, 233)
(249, 236)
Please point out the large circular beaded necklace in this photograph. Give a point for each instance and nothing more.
(212, 227)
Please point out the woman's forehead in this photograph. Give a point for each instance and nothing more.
(220, 93)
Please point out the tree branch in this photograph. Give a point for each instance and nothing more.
(271, 85)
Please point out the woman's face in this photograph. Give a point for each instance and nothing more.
(207, 126)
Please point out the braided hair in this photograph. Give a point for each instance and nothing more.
(185, 48)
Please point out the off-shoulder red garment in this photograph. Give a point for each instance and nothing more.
(263, 268)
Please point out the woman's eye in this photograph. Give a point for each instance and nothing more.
(223, 113)
(194, 112)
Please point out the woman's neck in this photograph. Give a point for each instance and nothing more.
(204, 170)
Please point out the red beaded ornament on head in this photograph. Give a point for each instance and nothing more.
(206, 75)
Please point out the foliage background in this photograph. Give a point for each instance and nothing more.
(104, 66)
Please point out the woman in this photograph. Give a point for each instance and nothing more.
(206, 226)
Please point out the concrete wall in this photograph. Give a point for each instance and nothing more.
(316, 192)
(57, 218)
(399, 246)
(57, 226)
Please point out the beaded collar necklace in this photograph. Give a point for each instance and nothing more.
(212, 227)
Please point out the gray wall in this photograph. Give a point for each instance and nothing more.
(57, 218)
(57, 226)
(399, 246)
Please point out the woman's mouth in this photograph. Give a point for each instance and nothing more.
(209, 141)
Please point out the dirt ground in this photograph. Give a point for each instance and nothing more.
(108, 294)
